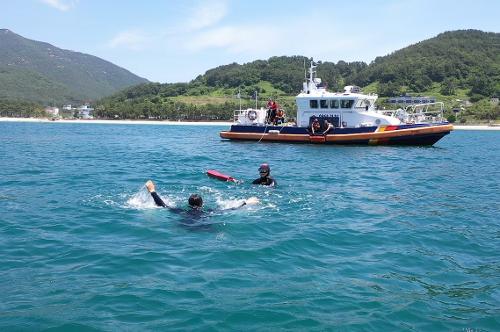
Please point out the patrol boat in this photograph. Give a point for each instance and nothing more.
(353, 115)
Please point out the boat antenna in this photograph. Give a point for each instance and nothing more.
(239, 96)
(305, 70)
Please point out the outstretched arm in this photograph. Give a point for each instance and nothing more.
(152, 190)
(158, 200)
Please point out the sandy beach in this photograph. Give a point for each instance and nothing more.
(188, 123)
(476, 127)
(125, 122)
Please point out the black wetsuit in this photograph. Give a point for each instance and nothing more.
(191, 216)
(265, 181)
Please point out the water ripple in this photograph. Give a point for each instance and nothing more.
(353, 238)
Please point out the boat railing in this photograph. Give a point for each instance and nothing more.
(422, 113)
(237, 113)
(249, 116)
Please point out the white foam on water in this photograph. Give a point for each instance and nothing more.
(109, 202)
(210, 190)
(143, 200)
(226, 204)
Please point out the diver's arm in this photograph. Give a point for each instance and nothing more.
(158, 200)
(150, 186)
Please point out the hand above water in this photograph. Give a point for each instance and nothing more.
(150, 186)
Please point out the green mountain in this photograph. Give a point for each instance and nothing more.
(40, 72)
(464, 59)
(461, 64)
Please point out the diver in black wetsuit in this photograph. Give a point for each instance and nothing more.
(265, 179)
(195, 202)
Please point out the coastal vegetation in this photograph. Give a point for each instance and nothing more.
(460, 68)
(20, 109)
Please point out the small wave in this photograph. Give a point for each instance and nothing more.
(143, 200)
(208, 190)
(227, 204)
(110, 202)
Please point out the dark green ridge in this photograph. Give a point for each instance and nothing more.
(40, 72)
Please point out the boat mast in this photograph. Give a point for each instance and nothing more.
(305, 71)
(310, 85)
(312, 72)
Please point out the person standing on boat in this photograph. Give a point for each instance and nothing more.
(272, 108)
(265, 179)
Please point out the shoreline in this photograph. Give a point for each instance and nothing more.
(476, 127)
(124, 122)
(187, 123)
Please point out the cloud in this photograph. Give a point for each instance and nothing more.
(235, 39)
(132, 39)
(61, 5)
(207, 14)
(325, 39)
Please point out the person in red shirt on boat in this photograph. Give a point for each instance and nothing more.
(272, 108)
(265, 179)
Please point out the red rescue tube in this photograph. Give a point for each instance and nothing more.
(219, 176)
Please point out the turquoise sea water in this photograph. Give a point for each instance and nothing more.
(354, 238)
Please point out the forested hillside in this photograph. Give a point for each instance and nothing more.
(467, 59)
(459, 64)
(40, 72)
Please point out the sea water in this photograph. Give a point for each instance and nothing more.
(354, 238)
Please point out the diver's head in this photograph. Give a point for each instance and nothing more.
(264, 170)
(195, 201)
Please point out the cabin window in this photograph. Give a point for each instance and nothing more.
(408, 101)
(334, 103)
(346, 103)
(323, 103)
(313, 103)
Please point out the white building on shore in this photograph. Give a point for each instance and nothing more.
(85, 112)
(52, 111)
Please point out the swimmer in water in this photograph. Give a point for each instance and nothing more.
(265, 179)
(195, 202)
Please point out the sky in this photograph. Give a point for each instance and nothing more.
(174, 41)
